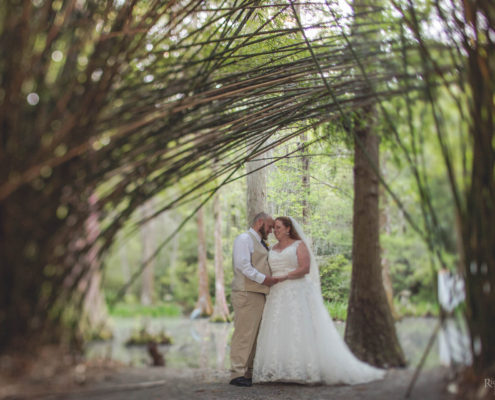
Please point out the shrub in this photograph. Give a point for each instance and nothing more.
(335, 276)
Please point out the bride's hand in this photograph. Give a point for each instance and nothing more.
(283, 278)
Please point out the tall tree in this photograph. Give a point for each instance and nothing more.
(305, 178)
(478, 217)
(469, 26)
(220, 309)
(203, 305)
(95, 313)
(97, 83)
(256, 187)
(370, 330)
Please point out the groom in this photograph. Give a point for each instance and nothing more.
(252, 278)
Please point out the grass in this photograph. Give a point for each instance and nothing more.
(417, 309)
(338, 311)
(157, 310)
(143, 337)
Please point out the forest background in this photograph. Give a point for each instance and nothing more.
(174, 288)
(121, 120)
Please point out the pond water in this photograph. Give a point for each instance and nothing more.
(202, 344)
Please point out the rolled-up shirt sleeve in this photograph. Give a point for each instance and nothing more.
(242, 259)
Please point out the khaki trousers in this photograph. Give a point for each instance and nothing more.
(248, 309)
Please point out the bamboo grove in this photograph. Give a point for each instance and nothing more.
(117, 101)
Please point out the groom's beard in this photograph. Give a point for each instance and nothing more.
(263, 233)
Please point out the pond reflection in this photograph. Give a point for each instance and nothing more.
(205, 345)
(195, 343)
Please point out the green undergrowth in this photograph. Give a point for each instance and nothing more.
(337, 310)
(417, 309)
(157, 310)
(144, 337)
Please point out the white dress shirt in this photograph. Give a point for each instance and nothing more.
(243, 248)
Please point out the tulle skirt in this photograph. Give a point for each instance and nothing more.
(298, 341)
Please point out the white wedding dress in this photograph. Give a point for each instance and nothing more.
(297, 340)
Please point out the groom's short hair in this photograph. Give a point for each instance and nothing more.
(257, 217)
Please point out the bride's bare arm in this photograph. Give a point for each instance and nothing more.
(303, 262)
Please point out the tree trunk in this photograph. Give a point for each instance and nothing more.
(95, 310)
(221, 309)
(43, 241)
(478, 220)
(203, 305)
(305, 184)
(256, 188)
(370, 330)
(147, 236)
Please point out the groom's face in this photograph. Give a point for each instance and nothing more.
(266, 228)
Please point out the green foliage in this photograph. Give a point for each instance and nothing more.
(158, 310)
(335, 276)
(175, 267)
(410, 265)
(329, 195)
(337, 310)
(184, 284)
(417, 308)
(144, 337)
(103, 334)
(330, 227)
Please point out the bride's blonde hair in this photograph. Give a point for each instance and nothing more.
(288, 224)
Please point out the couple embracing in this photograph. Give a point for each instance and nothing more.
(282, 330)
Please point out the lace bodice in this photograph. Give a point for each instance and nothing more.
(284, 261)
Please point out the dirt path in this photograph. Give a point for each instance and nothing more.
(166, 383)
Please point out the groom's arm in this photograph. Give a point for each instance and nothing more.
(242, 262)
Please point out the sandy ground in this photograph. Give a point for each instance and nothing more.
(125, 383)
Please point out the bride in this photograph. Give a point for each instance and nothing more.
(297, 340)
